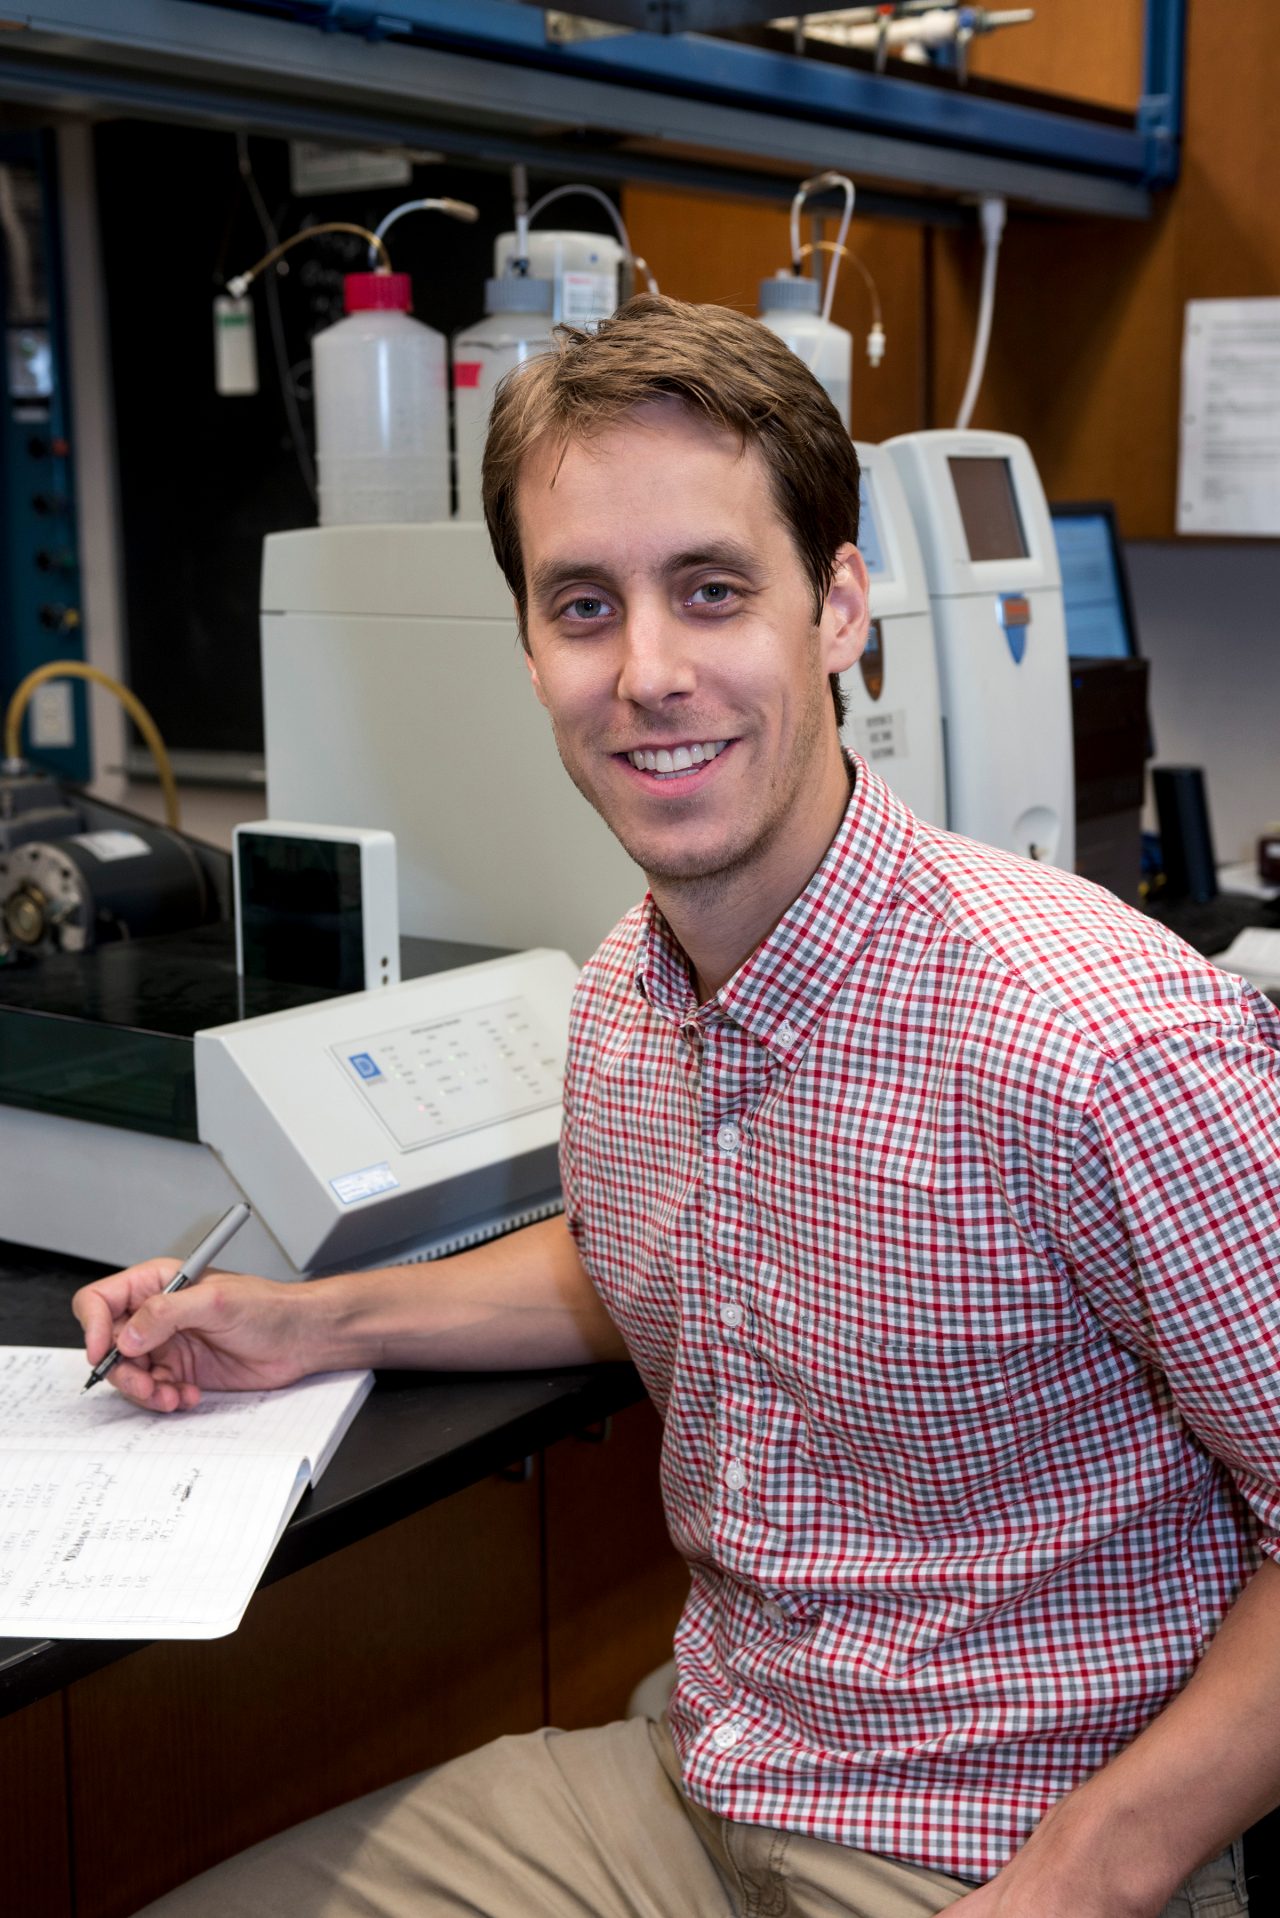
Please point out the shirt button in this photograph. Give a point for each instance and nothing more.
(725, 1737)
(729, 1137)
(772, 1612)
(786, 1034)
(732, 1316)
(735, 1476)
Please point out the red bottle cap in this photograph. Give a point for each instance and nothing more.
(377, 292)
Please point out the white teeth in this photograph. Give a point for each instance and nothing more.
(679, 763)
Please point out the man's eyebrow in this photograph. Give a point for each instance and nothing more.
(727, 552)
(549, 575)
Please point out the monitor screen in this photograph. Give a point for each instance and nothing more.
(1094, 597)
(988, 507)
(301, 910)
(869, 542)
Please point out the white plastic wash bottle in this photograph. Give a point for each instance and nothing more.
(382, 409)
(516, 326)
(791, 308)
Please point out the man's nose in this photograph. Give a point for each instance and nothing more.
(657, 659)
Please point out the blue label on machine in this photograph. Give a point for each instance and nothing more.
(365, 1184)
(366, 1065)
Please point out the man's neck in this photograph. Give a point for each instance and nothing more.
(720, 921)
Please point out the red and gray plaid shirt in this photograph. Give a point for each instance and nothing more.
(946, 1238)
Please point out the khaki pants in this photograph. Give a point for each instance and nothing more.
(588, 1824)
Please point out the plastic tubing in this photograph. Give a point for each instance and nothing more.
(240, 285)
(594, 193)
(992, 213)
(456, 210)
(817, 184)
(78, 669)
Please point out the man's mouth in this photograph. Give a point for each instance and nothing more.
(675, 762)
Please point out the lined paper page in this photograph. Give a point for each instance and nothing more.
(43, 1407)
(116, 1522)
(170, 1546)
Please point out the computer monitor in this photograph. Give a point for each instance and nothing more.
(1095, 585)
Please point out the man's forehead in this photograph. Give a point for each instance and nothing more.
(663, 421)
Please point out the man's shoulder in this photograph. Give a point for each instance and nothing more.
(1066, 948)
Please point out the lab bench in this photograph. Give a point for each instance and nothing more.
(483, 1555)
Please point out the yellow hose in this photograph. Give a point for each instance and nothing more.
(77, 669)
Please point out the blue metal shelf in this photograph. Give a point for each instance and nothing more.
(481, 79)
(786, 84)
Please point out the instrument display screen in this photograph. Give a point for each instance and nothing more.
(988, 507)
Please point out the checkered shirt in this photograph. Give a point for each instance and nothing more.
(945, 1239)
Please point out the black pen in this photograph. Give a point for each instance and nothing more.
(192, 1267)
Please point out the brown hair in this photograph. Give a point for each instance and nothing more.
(716, 362)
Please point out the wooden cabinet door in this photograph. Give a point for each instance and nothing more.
(615, 1583)
(416, 1644)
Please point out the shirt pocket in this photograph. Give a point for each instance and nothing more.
(926, 1436)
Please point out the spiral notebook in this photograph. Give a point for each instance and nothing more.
(121, 1523)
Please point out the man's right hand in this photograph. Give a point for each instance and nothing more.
(229, 1333)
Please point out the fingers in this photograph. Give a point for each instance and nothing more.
(161, 1317)
(100, 1306)
(155, 1388)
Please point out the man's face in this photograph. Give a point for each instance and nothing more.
(672, 639)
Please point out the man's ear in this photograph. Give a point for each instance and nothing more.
(845, 612)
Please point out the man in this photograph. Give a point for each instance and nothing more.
(934, 1195)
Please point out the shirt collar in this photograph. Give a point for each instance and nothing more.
(783, 988)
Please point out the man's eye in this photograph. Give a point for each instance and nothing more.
(587, 606)
(715, 593)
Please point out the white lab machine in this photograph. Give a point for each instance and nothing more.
(894, 718)
(397, 1123)
(396, 695)
(992, 567)
(390, 1125)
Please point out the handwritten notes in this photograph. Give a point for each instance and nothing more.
(117, 1523)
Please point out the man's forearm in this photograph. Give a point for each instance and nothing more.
(521, 1302)
(1199, 1775)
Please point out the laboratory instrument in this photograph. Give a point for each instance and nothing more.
(84, 889)
(992, 567)
(316, 905)
(398, 1124)
(398, 645)
(144, 1087)
(894, 717)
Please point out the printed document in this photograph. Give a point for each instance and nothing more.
(1229, 449)
(121, 1523)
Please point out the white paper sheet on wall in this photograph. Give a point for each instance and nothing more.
(1229, 444)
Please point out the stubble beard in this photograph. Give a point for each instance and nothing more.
(703, 881)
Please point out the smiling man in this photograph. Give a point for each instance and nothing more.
(934, 1195)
